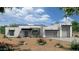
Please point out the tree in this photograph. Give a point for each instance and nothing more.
(75, 26)
(2, 9)
(69, 11)
(74, 45)
(2, 29)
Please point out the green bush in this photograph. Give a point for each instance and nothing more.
(41, 42)
(75, 45)
(2, 29)
(75, 26)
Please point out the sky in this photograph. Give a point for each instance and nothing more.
(33, 15)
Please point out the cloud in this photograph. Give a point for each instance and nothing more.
(39, 11)
(8, 11)
(68, 19)
(30, 18)
(27, 10)
(37, 15)
(14, 12)
(26, 14)
(44, 17)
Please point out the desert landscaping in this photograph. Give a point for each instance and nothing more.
(61, 34)
(32, 44)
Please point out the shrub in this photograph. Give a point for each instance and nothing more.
(58, 45)
(41, 42)
(25, 43)
(19, 37)
(2, 29)
(5, 36)
(21, 42)
(75, 45)
(5, 47)
(76, 36)
(50, 39)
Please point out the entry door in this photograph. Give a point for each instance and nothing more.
(26, 33)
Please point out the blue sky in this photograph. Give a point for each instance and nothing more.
(57, 14)
(31, 15)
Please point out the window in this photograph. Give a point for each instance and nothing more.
(11, 32)
(35, 32)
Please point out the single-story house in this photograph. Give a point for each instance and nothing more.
(61, 30)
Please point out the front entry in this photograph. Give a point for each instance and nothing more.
(65, 31)
(25, 32)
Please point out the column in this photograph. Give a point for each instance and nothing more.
(44, 33)
(70, 31)
(60, 31)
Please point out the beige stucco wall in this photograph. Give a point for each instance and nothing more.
(16, 31)
(57, 27)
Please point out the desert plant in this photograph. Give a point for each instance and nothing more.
(5, 36)
(21, 42)
(76, 36)
(19, 37)
(50, 39)
(41, 42)
(58, 45)
(6, 47)
(25, 43)
(74, 45)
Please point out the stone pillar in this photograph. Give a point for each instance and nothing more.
(6, 32)
(70, 31)
(60, 31)
(44, 33)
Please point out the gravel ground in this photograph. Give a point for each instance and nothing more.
(30, 44)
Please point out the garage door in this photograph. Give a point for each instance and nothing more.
(51, 33)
